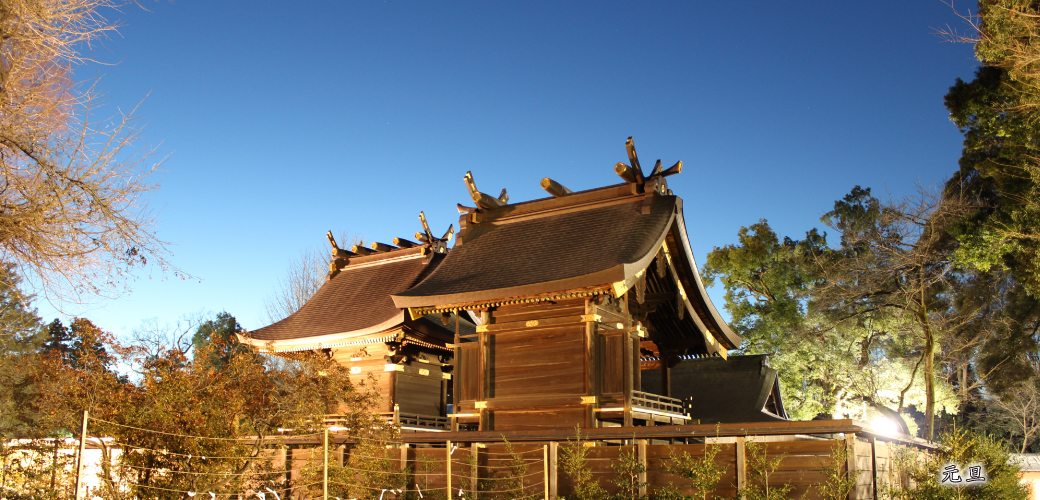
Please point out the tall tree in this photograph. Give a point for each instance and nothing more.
(895, 259)
(73, 209)
(831, 362)
(998, 113)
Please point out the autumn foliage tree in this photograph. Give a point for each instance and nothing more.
(74, 216)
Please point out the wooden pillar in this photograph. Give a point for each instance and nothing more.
(850, 464)
(404, 457)
(455, 380)
(545, 470)
(484, 367)
(625, 364)
(741, 464)
(628, 377)
(591, 375)
(554, 450)
(641, 456)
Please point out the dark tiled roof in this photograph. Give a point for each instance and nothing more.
(724, 391)
(504, 255)
(357, 298)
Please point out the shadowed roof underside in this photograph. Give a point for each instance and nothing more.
(548, 253)
(357, 300)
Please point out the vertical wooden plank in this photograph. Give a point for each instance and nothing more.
(554, 450)
(873, 466)
(474, 450)
(641, 456)
(741, 465)
(447, 477)
(404, 457)
(850, 465)
(545, 470)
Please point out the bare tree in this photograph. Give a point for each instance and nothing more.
(303, 277)
(1019, 412)
(74, 211)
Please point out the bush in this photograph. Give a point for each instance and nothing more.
(960, 447)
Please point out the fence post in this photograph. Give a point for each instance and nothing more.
(79, 457)
(545, 470)
(641, 456)
(554, 448)
(741, 465)
(404, 456)
(873, 465)
(325, 467)
(474, 459)
(850, 461)
(447, 451)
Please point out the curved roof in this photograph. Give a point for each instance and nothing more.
(592, 239)
(355, 302)
(546, 254)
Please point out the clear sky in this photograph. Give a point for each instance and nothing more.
(283, 120)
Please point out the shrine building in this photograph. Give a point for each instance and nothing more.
(579, 309)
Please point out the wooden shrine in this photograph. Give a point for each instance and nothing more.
(569, 293)
(544, 314)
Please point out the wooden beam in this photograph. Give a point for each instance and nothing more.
(633, 158)
(555, 188)
(486, 201)
(672, 170)
(626, 172)
(362, 250)
(382, 247)
(403, 243)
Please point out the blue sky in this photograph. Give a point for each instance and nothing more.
(283, 120)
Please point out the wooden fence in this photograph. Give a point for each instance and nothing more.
(477, 463)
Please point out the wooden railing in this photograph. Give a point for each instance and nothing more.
(408, 421)
(656, 402)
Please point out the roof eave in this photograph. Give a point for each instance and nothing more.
(729, 336)
(321, 340)
(601, 278)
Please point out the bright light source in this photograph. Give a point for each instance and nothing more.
(885, 426)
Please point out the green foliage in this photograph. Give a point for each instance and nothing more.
(702, 472)
(999, 169)
(838, 483)
(831, 359)
(960, 447)
(219, 333)
(574, 462)
(627, 470)
(760, 469)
